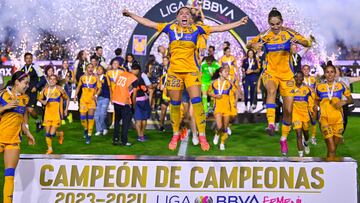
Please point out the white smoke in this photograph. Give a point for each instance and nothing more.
(335, 19)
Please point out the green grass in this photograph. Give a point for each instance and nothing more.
(247, 140)
(356, 87)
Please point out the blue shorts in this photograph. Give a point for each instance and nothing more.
(185, 96)
(142, 110)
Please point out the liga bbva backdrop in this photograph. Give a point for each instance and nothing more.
(217, 11)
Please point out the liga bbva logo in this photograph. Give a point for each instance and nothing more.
(204, 199)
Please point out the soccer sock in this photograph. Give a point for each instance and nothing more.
(84, 121)
(270, 113)
(90, 124)
(48, 140)
(224, 136)
(9, 185)
(205, 103)
(199, 114)
(285, 129)
(313, 131)
(175, 116)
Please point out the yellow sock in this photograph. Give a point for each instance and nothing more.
(48, 140)
(84, 122)
(224, 137)
(90, 124)
(285, 129)
(9, 185)
(313, 130)
(175, 115)
(270, 113)
(199, 115)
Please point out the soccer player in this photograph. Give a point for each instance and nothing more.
(184, 70)
(164, 98)
(14, 119)
(300, 114)
(310, 81)
(220, 90)
(52, 97)
(208, 68)
(250, 67)
(91, 88)
(231, 61)
(329, 98)
(279, 72)
(37, 82)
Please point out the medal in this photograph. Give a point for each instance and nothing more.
(88, 81)
(49, 93)
(27, 69)
(178, 37)
(330, 92)
(64, 74)
(294, 56)
(250, 63)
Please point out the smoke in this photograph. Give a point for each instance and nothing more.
(334, 19)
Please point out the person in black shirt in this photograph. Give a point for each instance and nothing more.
(37, 82)
(118, 57)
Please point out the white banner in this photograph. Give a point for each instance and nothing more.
(139, 181)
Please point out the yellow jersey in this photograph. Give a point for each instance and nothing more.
(182, 47)
(222, 105)
(11, 120)
(327, 109)
(231, 61)
(310, 81)
(277, 49)
(112, 75)
(301, 107)
(89, 85)
(54, 106)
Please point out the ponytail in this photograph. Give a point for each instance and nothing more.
(19, 75)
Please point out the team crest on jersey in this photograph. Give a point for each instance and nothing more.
(290, 83)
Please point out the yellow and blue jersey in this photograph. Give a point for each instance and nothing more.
(301, 106)
(11, 120)
(277, 49)
(231, 61)
(54, 106)
(89, 85)
(183, 46)
(222, 105)
(327, 109)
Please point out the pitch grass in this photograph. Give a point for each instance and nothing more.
(246, 140)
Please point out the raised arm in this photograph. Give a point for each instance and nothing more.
(143, 21)
(229, 26)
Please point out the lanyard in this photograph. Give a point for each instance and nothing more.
(308, 81)
(8, 89)
(27, 69)
(49, 93)
(294, 56)
(64, 74)
(251, 62)
(101, 77)
(222, 87)
(178, 37)
(114, 76)
(330, 92)
(88, 81)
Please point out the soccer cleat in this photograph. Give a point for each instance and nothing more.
(307, 148)
(284, 147)
(141, 139)
(184, 133)
(173, 142)
(203, 143)
(115, 142)
(313, 141)
(216, 139)
(87, 139)
(70, 118)
(49, 151)
(270, 130)
(60, 137)
(229, 131)
(111, 126)
(195, 140)
(105, 132)
(222, 147)
(98, 133)
(85, 133)
(301, 153)
(128, 144)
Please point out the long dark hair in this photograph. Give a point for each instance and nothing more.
(19, 75)
(79, 56)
